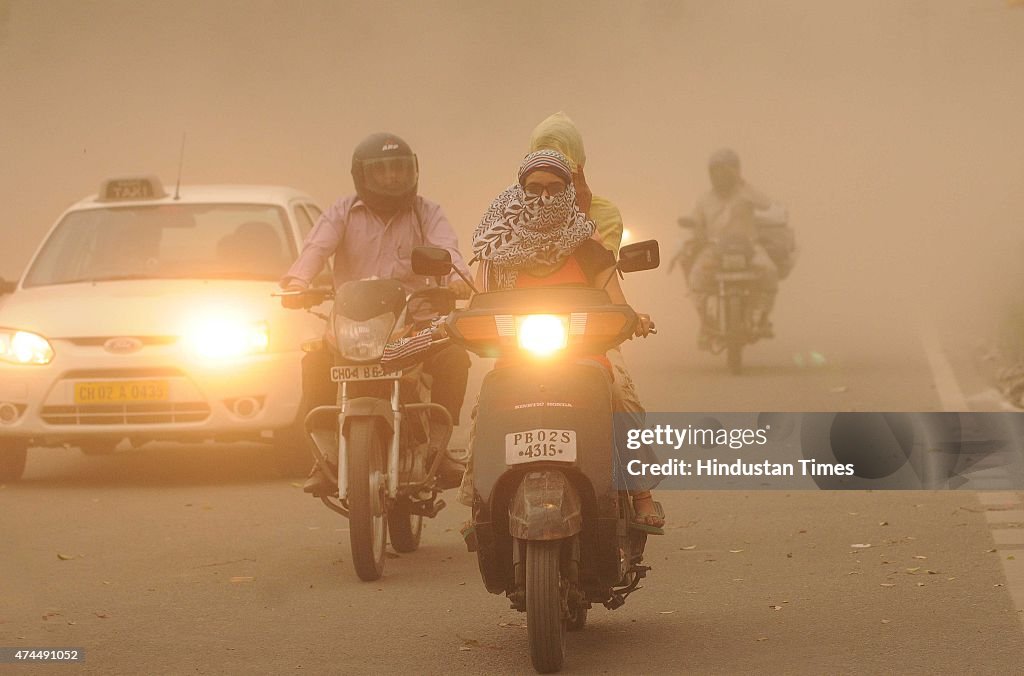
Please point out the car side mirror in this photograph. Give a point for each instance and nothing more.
(7, 287)
(431, 261)
(640, 256)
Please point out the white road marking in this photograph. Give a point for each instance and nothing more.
(1003, 509)
(946, 386)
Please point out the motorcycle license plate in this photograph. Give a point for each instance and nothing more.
(540, 445)
(340, 374)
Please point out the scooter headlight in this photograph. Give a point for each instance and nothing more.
(23, 347)
(363, 341)
(542, 335)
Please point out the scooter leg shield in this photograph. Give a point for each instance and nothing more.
(546, 506)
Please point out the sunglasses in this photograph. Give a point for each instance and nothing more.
(539, 188)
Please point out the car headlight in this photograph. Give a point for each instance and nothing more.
(24, 347)
(542, 335)
(363, 341)
(221, 338)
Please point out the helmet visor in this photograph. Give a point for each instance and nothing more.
(390, 175)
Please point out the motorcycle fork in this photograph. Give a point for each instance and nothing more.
(393, 449)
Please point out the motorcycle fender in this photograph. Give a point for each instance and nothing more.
(370, 407)
(546, 506)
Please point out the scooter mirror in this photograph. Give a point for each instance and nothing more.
(431, 261)
(640, 256)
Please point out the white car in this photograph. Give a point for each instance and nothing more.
(145, 315)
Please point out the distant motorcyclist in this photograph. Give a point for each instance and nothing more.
(727, 210)
(372, 234)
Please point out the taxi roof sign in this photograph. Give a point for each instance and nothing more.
(131, 189)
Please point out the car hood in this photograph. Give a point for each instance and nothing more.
(158, 307)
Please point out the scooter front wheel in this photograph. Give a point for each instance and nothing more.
(545, 621)
(367, 498)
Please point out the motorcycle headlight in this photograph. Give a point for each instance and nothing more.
(363, 341)
(224, 338)
(24, 347)
(542, 335)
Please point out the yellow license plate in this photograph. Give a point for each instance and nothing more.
(117, 392)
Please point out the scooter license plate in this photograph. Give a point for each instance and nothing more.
(540, 445)
(340, 374)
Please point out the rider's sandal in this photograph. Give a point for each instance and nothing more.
(652, 524)
(317, 483)
(468, 533)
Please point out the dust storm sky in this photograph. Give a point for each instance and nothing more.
(891, 129)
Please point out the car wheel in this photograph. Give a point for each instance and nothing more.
(13, 454)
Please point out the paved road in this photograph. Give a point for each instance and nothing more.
(201, 559)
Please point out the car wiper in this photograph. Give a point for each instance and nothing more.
(106, 278)
(266, 276)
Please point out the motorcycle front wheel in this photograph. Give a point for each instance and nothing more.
(734, 330)
(545, 623)
(367, 498)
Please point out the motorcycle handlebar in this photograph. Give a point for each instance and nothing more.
(303, 299)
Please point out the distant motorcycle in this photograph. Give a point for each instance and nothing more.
(375, 442)
(729, 315)
(552, 527)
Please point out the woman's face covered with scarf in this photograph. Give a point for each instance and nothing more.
(534, 222)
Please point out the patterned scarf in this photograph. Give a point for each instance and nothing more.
(522, 230)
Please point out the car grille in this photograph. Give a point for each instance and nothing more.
(127, 414)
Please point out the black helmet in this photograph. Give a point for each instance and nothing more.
(386, 172)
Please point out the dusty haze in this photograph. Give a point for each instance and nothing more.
(891, 129)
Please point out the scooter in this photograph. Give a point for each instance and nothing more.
(552, 523)
(383, 443)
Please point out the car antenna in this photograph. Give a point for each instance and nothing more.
(181, 160)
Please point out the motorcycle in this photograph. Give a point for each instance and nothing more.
(551, 522)
(730, 317)
(383, 443)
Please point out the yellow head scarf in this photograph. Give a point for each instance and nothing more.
(558, 132)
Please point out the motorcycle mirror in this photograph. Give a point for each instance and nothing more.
(640, 256)
(431, 261)
(7, 287)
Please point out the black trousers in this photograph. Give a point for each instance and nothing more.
(449, 368)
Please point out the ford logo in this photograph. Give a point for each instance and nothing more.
(122, 345)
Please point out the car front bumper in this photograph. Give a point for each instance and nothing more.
(240, 398)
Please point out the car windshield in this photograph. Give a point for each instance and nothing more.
(179, 241)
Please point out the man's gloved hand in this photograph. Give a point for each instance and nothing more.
(296, 302)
